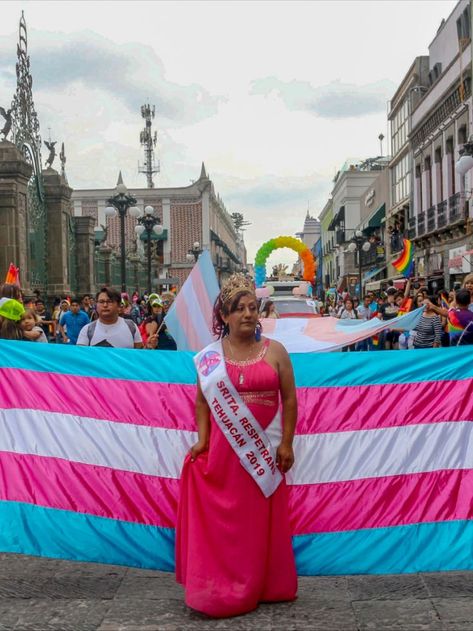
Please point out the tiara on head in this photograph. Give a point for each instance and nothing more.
(234, 285)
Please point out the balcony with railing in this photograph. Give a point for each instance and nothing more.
(368, 258)
(420, 224)
(442, 214)
(411, 232)
(454, 208)
(340, 237)
(431, 218)
(397, 242)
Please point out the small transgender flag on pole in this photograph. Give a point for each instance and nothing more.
(189, 320)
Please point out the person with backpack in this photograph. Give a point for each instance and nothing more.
(110, 330)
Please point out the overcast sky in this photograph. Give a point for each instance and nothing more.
(272, 96)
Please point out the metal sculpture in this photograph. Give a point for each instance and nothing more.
(7, 115)
(52, 152)
(26, 136)
(62, 158)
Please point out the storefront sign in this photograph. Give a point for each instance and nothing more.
(459, 260)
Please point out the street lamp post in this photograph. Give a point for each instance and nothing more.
(359, 244)
(149, 223)
(119, 204)
(194, 253)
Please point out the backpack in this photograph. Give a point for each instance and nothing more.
(92, 326)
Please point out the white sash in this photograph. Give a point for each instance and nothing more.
(253, 446)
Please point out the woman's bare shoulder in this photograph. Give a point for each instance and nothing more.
(276, 347)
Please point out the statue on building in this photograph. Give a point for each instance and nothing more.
(52, 153)
(7, 115)
(62, 158)
(103, 239)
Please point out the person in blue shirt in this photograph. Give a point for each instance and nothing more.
(72, 321)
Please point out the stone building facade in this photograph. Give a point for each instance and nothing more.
(405, 99)
(440, 221)
(188, 215)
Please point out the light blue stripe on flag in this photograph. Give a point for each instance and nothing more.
(196, 307)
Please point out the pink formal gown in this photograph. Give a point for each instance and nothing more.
(233, 545)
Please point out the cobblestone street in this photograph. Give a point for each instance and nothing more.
(39, 594)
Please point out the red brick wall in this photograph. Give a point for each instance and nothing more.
(90, 209)
(180, 273)
(113, 234)
(186, 228)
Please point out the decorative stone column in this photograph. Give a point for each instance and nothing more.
(85, 247)
(57, 195)
(15, 173)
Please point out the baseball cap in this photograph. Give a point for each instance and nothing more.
(11, 309)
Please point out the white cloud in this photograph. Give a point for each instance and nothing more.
(334, 100)
(95, 63)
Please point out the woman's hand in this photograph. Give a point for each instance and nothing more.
(152, 341)
(198, 449)
(284, 457)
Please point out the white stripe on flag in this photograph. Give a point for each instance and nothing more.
(150, 450)
(320, 458)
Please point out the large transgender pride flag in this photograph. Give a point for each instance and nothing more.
(92, 441)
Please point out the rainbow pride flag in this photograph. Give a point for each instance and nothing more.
(92, 442)
(405, 263)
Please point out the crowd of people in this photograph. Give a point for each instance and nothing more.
(447, 319)
(109, 318)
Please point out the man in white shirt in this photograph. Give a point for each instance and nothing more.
(110, 330)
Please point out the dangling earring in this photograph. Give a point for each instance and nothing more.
(258, 332)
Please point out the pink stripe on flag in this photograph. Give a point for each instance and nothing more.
(381, 502)
(184, 315)
(333, 507)
(350, 408)
(157, 404)
(167, 405)
(83, 488)
(201, 291)
(269, 325)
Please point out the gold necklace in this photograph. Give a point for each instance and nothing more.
(241, 376)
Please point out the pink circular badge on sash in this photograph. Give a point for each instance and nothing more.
(209, 362)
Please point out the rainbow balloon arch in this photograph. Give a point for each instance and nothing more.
(284, 242)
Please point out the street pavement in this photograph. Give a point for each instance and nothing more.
(47, 594)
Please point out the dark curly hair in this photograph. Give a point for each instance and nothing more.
(219, 328)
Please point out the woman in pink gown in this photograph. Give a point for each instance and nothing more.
(233, 545)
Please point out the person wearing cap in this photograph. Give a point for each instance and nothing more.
(72, 322)
(151, 323)
(11, 312)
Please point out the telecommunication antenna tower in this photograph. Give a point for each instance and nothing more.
(148, 140)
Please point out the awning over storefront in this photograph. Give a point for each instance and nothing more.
(375, 219)
(372, 273)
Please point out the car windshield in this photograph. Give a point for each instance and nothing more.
(293, 306)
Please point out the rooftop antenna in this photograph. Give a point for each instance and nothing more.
(148, 140)
(381, 138)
